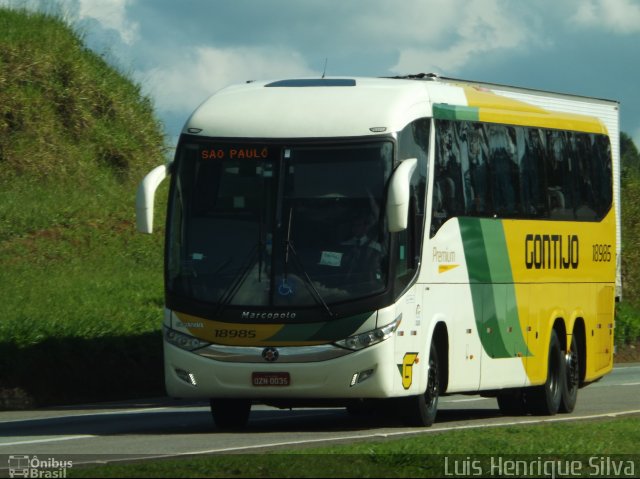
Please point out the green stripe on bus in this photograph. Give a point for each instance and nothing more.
(474, 250)
(497, 253)
(480, 281)
(332, 330)
(296, 332)
(492, 288)
(340, 328)
(443, 111)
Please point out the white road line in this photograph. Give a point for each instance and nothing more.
(91, 414)
(466, 400)
(630, 384)
(409, 433)
(51, 439)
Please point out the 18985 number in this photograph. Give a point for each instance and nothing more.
(601, 253)
(235, 333)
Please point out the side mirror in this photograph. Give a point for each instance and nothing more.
(145, 197)
(399, 196)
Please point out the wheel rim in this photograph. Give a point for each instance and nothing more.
(554, 373)
(572, 369)
(431, 393)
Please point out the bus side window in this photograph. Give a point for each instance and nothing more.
(505, 177)
(601, 174)
(412, 143)
(449, 194)
(530, 154)
(558, 171)
(476, 173)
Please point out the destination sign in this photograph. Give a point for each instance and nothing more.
(235, 152)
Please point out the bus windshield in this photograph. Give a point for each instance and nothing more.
(278, 225)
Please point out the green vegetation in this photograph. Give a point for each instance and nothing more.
(415, 456)
(628, 312)
(81, 292)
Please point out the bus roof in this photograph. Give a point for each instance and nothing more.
(353, 107)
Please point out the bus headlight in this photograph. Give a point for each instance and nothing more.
(183, 341)
(364, 340)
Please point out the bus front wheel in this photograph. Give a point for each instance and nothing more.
(420, 411)
(230, 413)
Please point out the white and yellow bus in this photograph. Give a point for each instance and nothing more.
(350, 241)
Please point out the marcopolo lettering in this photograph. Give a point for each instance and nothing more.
(267, 315)
(551, 251)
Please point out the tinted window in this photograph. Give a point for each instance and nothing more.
(503, 171)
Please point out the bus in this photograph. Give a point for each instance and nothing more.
(362, 242)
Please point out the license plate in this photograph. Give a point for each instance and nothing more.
(270, 379)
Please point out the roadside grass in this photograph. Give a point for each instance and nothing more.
(627, 324)
(82, 294)
(419, 455)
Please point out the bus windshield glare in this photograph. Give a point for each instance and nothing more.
(278, 225)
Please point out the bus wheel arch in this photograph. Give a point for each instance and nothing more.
(580, 334)
(440, 340)
(574, 366)
(546, 398)
(421, 410)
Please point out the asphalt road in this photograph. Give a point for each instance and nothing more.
(164, 427)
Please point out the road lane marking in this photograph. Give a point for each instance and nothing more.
(90, 414)
(467, 400)
(430, 430)
(51, 439)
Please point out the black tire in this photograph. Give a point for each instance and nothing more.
(512, 403)
(421, 410)
(230, 413)
(359, 407)
(545, 400)
(571, 378)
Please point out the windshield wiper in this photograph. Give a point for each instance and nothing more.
(308, 281)
(231, 291)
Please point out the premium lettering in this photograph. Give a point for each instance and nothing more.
(551, 251)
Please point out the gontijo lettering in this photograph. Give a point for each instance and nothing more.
(551, 251)
(235, 153)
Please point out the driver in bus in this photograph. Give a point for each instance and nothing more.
(364, 253)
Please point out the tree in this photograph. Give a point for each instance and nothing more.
(629, 156)
(630, 194)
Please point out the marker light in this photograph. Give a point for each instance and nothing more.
(183, 341)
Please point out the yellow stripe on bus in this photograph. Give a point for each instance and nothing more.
(494, 108)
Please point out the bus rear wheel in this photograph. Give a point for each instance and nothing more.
(420, 411)
(513, 402)
(546, 399)
(230, 413)
(571, 379)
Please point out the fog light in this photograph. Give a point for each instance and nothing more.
(361, 376)
(364, 375)
(186, 377)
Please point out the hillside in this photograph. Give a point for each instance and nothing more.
(80, 292)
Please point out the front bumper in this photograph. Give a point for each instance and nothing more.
(190, 375)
